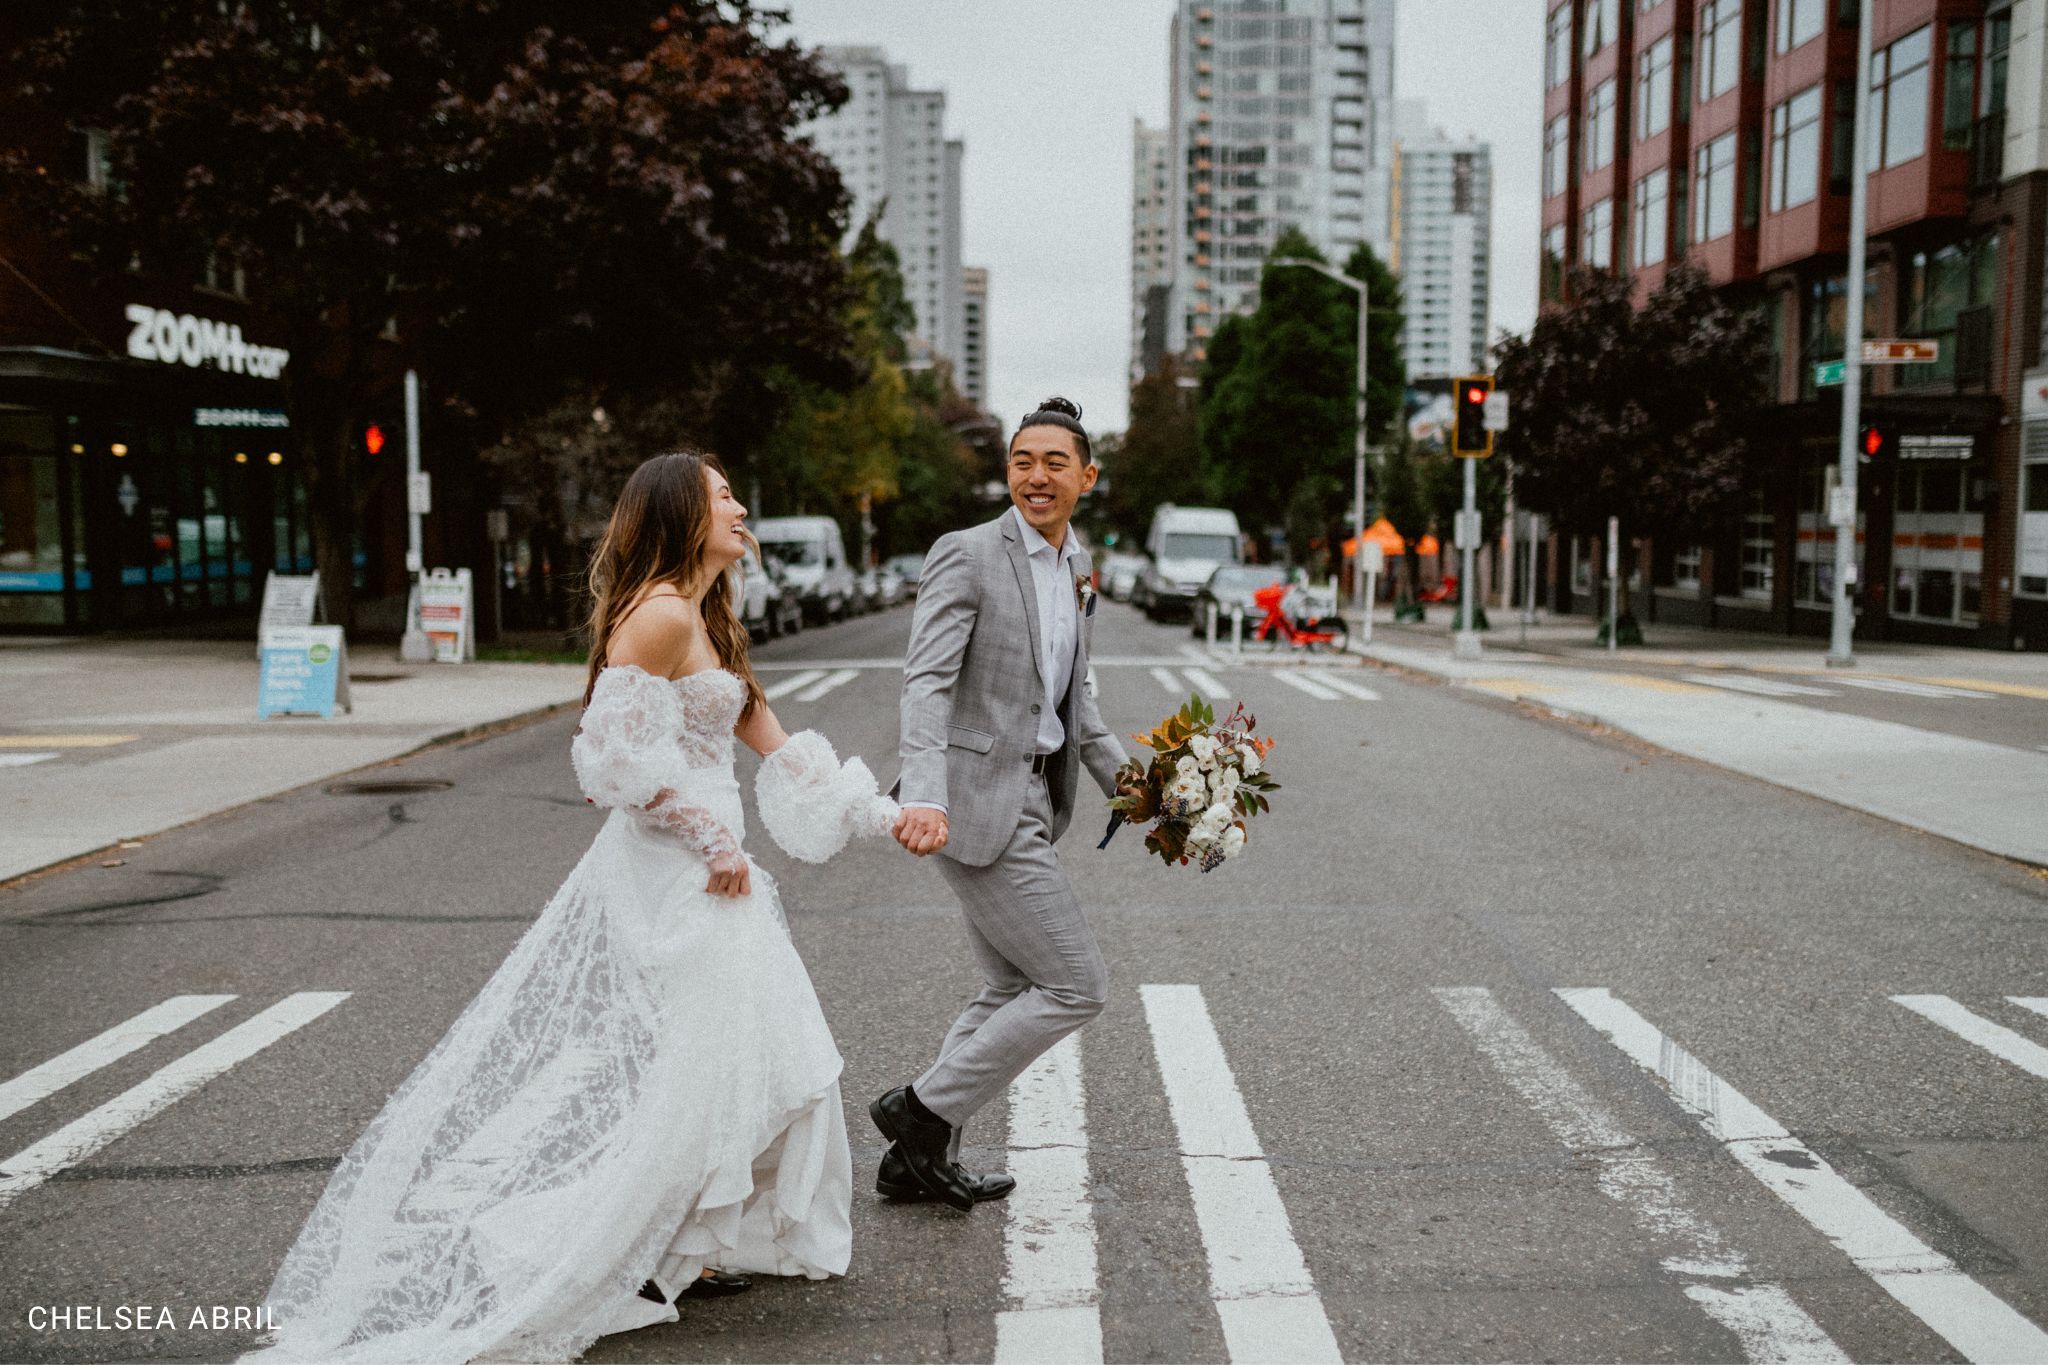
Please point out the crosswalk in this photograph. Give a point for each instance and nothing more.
(1779, 687)
(1268, 1294)
(1194, 672)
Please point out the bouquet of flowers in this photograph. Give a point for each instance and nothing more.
(1204, 781)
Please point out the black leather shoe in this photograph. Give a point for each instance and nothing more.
(923, 1148)
(715, 1284)
(894, 1181)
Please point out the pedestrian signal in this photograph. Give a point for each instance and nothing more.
(373, 438)
(1469, 435)
(1876, 442)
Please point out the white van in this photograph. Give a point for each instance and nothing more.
(1186, 545)
(813, 558)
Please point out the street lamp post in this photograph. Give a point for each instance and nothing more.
(1358, 445)
(1843, 514)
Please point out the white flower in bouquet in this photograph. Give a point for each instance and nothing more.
(1233, 841)
(1248, 759)
(1204, 750)
(1188, 767)
(1214, 821)
(1223, 785)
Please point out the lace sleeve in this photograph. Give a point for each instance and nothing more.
(812, 803)
(624, 753)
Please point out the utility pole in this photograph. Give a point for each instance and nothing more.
(1358, 442)
(1842, 502)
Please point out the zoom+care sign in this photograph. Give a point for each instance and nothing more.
(180, 339)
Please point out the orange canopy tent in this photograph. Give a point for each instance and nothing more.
(1383, 534)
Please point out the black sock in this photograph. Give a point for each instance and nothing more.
(917, 1109)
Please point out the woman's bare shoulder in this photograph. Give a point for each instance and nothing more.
(656, 633)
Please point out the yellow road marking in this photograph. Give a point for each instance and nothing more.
(1508, 687)
(2010, 689)
(1653, 684)
(62, 741)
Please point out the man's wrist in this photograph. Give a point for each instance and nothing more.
(923, 805)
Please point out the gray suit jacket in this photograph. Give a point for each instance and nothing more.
(972, 689)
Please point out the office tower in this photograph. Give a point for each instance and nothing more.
(1444, 198)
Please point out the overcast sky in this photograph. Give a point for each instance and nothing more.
(1043, 94)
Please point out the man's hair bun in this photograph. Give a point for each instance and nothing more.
(1061, 405)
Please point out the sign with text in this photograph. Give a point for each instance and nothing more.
(448, 614)
(1921, 446)
(1892, 351)
(289, 601)
(305, 672)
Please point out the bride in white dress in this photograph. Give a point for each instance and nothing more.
(646, 1090)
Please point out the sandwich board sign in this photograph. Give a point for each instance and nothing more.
(305, 672)
(288, 600)
(448, 614)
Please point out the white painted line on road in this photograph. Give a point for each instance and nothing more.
(1995, 1039)
(18, 760)
(1166, 679)
(798, 665)
(77, 1063)
(791, 684)
(2037, 1003)
(1308, 685)
(1264, 1296)
(1914, 689)
(1767, 1321)
(1762, 687)
(839, 679)
(1330, 678)
(1207, 684)
(83, 1136)
(1049, 1240)
(1979, 1324)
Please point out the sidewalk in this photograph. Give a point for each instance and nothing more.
(107, 740)
(1989, 796)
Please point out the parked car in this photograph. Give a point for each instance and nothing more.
(814, 556)
(1185, 545)
(767, 602)
(908, 568)
(1119, 572)
(786, 607)
(882, 587)
(1233, 586)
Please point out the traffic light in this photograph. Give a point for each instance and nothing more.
(1469, 435)
(373, 438)
(1876, 442)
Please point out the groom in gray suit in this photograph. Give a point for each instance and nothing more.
(997, 722)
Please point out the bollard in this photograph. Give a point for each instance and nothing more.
(1236, 629)
(1209, 608)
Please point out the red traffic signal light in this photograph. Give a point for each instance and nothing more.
(1876, 441)
(1469, 435)
(373, 438)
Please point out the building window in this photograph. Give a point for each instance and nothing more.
(1997, 52)
(1759, 549)
(1795, 150)
(1685, 567)
(1713, 189)
(1959, 87)
(1946, 295)
(1844, 144)
(1813, 561)
(1799, 22)
(1557, 48)
(1603, 24)
(2033, 547)
(1596, 244)
(1647, 218)
(1553, 261)
(1653, 88)
(1898, 99)
(1938, 536)
(1556, 155)
(1599, 125)
(1720, 47)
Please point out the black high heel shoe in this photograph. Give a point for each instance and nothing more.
(712, 1284)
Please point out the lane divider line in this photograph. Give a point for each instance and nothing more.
(1264, 1296)
(1979, 1324)
(75, 1064)
(791, 684)
(1996, 1039)
(837, 680)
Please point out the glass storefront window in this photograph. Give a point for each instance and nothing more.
(31, 522)
(1938, 541)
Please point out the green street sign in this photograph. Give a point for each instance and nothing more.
(1829, 373)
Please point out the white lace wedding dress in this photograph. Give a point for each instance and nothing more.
(646, 1086)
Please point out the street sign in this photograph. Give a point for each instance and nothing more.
(304, 671)
(448, 614)
(1497, 410)
(1465, 531)
(1885, 351)
(1829, 373)
(1925, 446)
(1841, 507)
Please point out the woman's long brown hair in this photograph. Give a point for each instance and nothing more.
(657, 534)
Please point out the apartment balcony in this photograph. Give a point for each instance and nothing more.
(1973, 342)
(1987, 152)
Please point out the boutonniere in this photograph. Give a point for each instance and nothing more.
(1084, 594)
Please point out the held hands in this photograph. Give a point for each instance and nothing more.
(728, 875)
(922, 830)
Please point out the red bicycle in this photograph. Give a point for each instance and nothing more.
(1278, 627)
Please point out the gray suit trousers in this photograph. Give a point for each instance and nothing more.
(1042, 971)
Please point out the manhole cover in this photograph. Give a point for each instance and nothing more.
(411, 787)
(378, 677)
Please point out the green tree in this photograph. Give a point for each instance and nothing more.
(1645, 414)
(1158, 458)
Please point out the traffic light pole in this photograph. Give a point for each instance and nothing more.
(1843, 514)
(1465, 644)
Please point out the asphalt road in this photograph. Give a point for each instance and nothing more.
(1367, 1106)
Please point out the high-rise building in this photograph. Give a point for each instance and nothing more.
(1151, 246)
(889, 142)
(1280, 115)
(1720, 133)
(974, 335)
(1443, 193)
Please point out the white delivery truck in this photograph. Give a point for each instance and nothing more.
(1185, 546)
(813, 556)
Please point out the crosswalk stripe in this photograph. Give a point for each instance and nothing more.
(1979, 1324)
(1264, 1296)
(1764, 1318)
(839, 679)
(1308, 685)
(83, 1136)
(1995, 1039)
(1165, 678)
(20, 760)
(789, 685)
(1762, 687)
(40, 1082)
(2037, 1003)
(1328, 678)
(1206, 683)
(1914, 689)
(1049, 1239)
